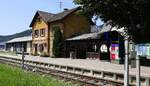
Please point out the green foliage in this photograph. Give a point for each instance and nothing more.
(35, 54)
(57, 42)
(133, 14)
(10, 76)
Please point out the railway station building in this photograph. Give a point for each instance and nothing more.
(70, 23)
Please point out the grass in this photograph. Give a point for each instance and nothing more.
(11, 76)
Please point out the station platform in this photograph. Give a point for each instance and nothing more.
(87, 64)
(97, 65)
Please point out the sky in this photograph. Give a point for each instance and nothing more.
(16, 15)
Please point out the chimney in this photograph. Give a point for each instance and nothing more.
(65, 9)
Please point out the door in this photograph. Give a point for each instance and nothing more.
(35, 46)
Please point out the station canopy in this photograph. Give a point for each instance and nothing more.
(95, 35)
(21, 39)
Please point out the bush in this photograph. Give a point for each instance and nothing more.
(57, 42)
(44, 54)
(35, 54)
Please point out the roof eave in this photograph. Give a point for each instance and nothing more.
(32, 22)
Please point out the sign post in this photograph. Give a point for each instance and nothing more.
(133, 55)
(135, 62)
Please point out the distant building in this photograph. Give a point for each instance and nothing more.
(70, 22)
(19, 44)
(2, 46)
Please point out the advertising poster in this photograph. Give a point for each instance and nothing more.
(143, 50)
(114, 51)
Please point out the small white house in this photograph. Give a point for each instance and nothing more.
(2, 46)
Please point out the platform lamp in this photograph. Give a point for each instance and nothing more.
(126, 62)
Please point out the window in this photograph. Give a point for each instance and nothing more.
(42, 32)
(36, 33)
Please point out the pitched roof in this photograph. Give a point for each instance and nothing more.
(20, 39)
(45, 15)
(84, 36)
(94, 35)
(62, 15)
(50, 17)
(106, 27)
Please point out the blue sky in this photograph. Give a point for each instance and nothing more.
(16, 15)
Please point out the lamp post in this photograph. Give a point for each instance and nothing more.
(126, 69)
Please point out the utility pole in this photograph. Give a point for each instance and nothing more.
(126, 69)
(60, 5)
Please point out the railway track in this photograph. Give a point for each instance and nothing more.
(44, 68)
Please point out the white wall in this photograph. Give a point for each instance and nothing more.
(29, 47)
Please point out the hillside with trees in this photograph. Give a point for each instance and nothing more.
(21, 34)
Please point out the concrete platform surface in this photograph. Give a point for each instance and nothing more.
(96, 65)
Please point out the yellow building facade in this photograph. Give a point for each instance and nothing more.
(70, 22)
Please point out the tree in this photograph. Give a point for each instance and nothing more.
(57, 42)
(133, 14)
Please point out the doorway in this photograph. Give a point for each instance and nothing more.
(35, 48)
